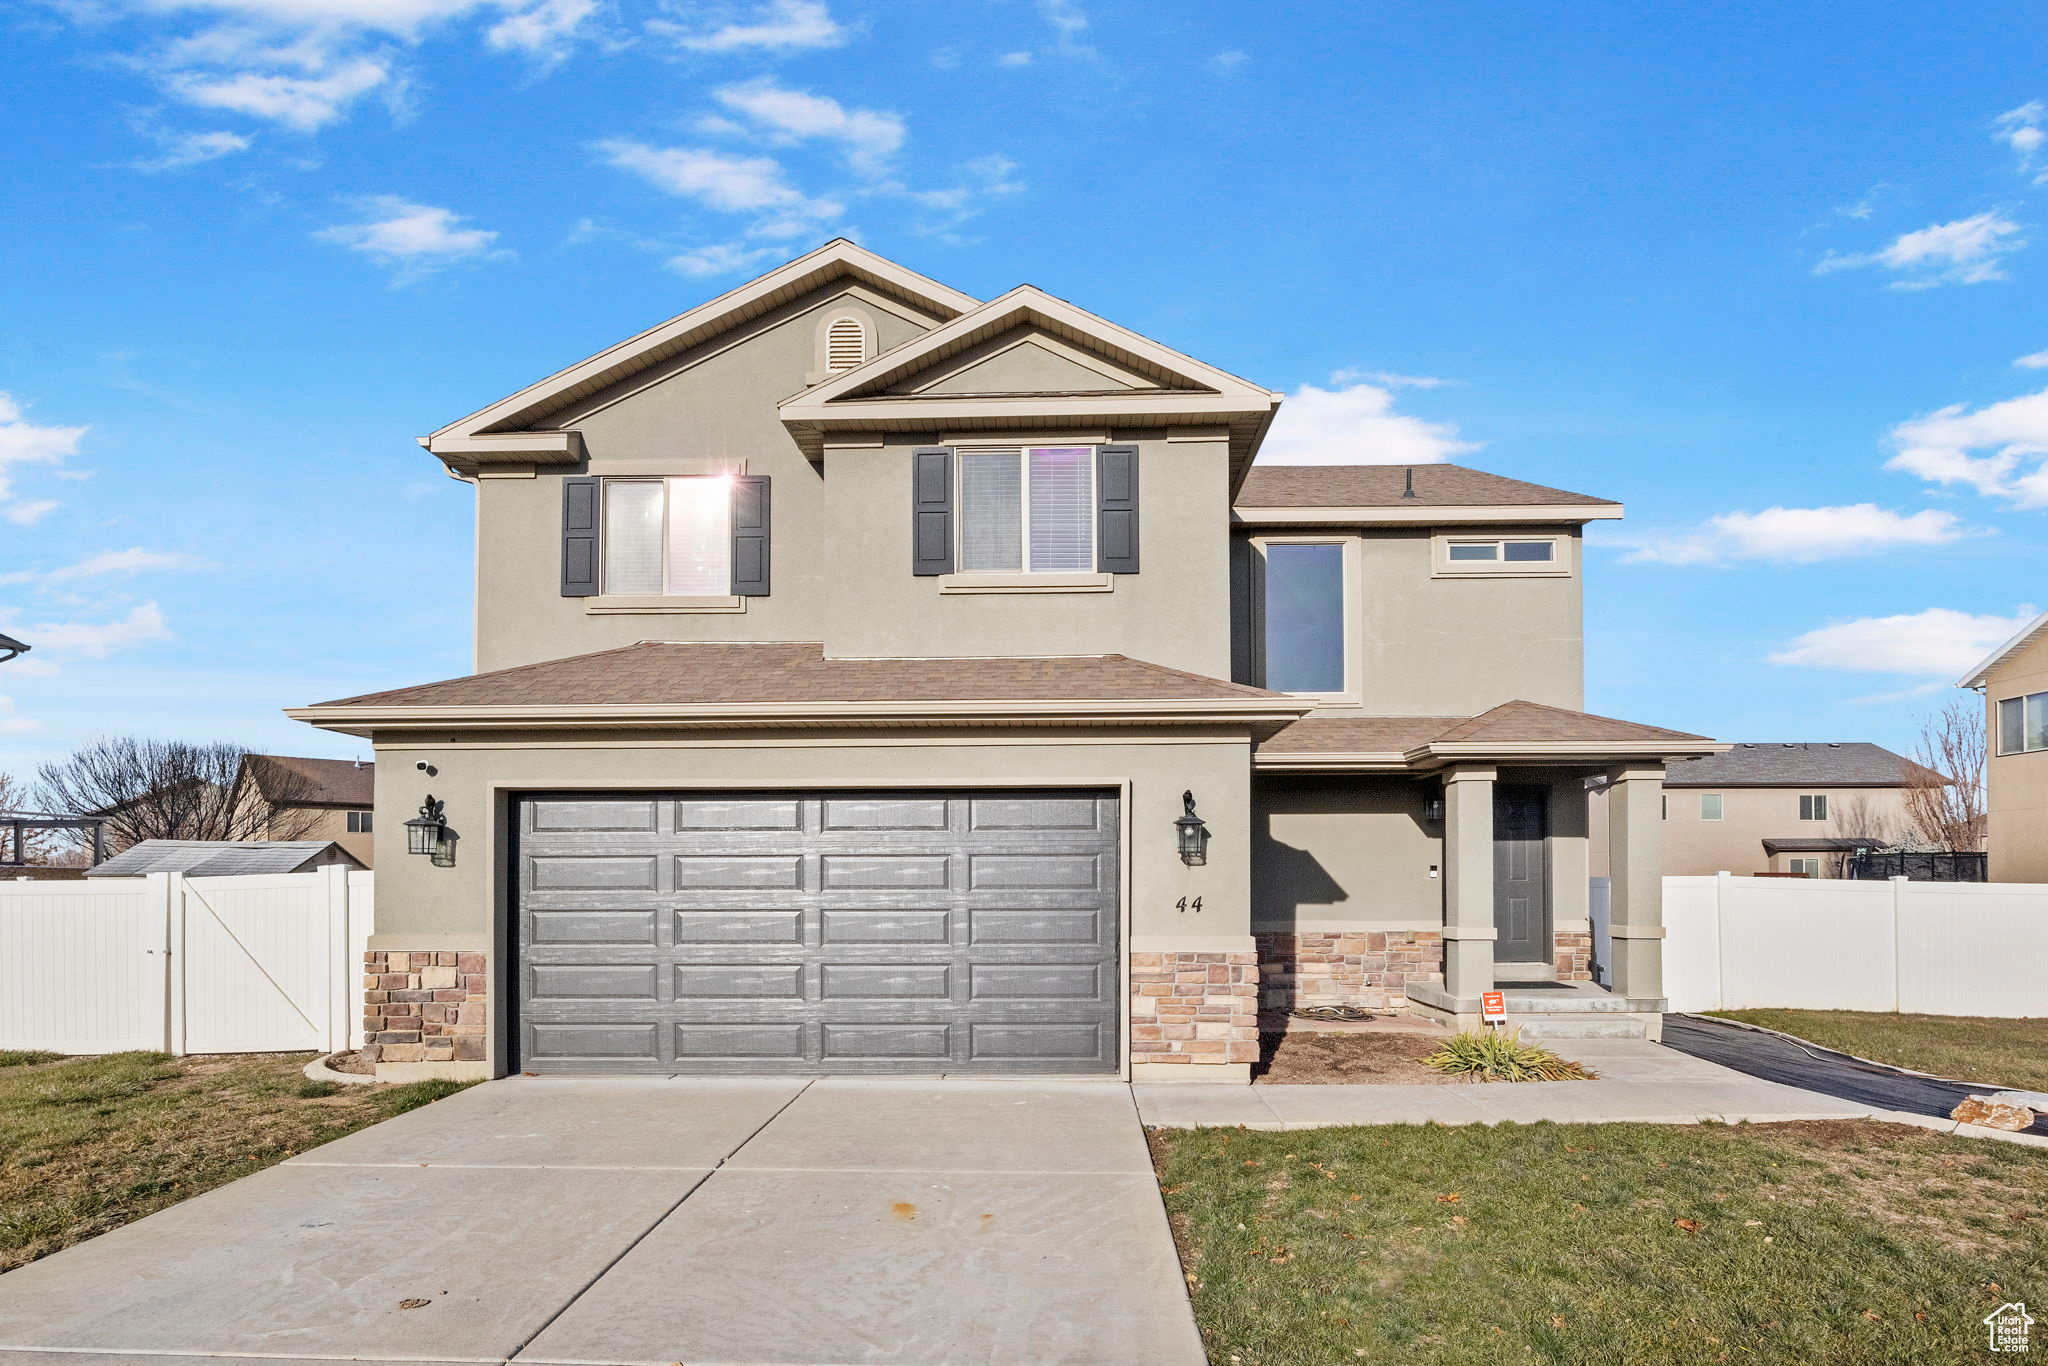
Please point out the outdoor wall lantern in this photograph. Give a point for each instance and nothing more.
(1433, 810)
(428, 833)
(1192, 833)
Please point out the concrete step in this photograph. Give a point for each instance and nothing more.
(1537, 1028)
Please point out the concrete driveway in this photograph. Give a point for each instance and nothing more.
(711, 1222)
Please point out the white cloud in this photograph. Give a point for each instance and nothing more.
(10, 723)
(1069, 22)
(729, 183)
(979, 180)
(414, 238)
(2020, 129)
(190, 149)
(1389, 379)
(869, 137)
(131, 561)
(1939, 643)
(24, 443)
(1014, 59)
(1969, 251)
(777, 25)
(546, 30)
(724, 258)
(1941, 448)
(58, 642)
(1801, 535)
(1228, 62)
(2038, 360)
(306, 103)
(1354, 424)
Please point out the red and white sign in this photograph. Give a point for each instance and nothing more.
(1493, 1006)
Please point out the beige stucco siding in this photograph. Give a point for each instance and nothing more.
(2016, 798)
(1751, 815)
(1430, 645)
(421, 907)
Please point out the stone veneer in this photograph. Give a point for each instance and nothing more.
(1361, 967)
(1573, 954)
(423, 1007)
(1194, 1007)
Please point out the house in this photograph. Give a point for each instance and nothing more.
(2014, 681)
(934, 685)
(1800, 807)
(224, 858)
(312, 799)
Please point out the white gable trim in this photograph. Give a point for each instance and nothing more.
(2034, 629)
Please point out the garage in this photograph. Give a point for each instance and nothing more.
(971, 932)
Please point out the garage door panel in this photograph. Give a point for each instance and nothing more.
(820, 932)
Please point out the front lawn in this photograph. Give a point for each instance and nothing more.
(88, 1144)
(1602, 1245)
(2011, 1053)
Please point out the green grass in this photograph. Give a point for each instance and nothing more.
(88, 1144)
(1835, 1244)
(2011, 1053)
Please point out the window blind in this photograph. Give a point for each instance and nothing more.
(991, 511)
(632, 537)
(1062, 508)
(699, 537)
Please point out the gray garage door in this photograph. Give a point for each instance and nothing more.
(818, 932)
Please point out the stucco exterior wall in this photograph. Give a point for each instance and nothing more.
(463, 909)
(2016, 797)
(1749, 816)
(1425, 645)
(1344, 852)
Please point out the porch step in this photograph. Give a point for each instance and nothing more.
(1538, 1028)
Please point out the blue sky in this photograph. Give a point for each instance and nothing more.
(1773, 276)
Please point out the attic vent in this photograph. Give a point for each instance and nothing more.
(846, 345)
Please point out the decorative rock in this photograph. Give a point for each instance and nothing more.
(2033, 1100)
(1988, 1112)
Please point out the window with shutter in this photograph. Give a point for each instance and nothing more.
(1027, 509)
(668, 537)
(846, 345)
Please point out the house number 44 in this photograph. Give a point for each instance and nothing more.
(1185, 905)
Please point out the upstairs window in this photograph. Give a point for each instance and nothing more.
(668, 537)
(1456, 555)
(1027, 510)
(1814, 808)
(2023, 724)
(1710, 806)
(1304, 622)
(1505, 552)
(359, 822)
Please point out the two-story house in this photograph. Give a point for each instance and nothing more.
(871, 679)
(2014, 681)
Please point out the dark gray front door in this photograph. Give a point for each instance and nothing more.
(1521, 901)
(818, 932)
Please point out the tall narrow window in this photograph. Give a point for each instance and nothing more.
(668, 537)
(1028, 510)
(1710, 806)
(1814, 808)
(846, 344)
(1304, 615)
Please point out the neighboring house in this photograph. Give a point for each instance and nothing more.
(224, 858)
(2014, 681)
(1800, 808)
(900, 647)
(313, 799)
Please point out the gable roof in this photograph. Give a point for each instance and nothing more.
(491, 433)
(679, 683)
(1183, 390)
(311, 782)
(1527, 731)
(2027, 635)
(1802, 763)
(1389, 486)
(217, 858)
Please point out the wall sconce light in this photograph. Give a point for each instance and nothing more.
(1433, 809)
(1191, 833)
(428, 833)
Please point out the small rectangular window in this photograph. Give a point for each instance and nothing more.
(1710, 806)
(1814, 808)
(359, 822)
(1027, 510)
(1454, 555)
(1529, 551)
(1475, 550)
(1808, 866)
(668, 537)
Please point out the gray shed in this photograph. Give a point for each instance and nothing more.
(224, 858)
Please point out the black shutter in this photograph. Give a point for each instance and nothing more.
(580, 499)
(931, 510)
(1116, 510)
(750, 536)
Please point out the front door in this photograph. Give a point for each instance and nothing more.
(1521, 900)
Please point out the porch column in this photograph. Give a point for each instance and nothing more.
(1635, 867)
(1469, 929)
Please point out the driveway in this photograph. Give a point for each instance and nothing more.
(713, 1222)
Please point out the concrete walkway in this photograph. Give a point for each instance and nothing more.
(714, 1222)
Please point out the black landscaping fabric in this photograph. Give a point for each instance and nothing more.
(1813, 1068)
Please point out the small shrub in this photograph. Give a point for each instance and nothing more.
(25, 1057)
(316, 1090)
(1500, 1055)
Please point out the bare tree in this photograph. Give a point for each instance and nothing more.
(174, 790)
(1944, 790)
(36, 845)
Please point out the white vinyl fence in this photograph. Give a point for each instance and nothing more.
(1938, 948)
(264, 964)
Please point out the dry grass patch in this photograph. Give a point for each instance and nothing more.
(1999, 1052)
(88, 1144)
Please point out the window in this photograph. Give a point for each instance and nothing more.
(1304, 617)
(1710, 806)
(668, 537)
(1509, 556)
(359, 822)
(1511, 552)
(2023, 724)
(1814, 808)
(1028, 510)
(1809, 866)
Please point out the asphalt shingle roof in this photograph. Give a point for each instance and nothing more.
(1352, 486)
(313, 782)
(1805, 763)
(1509, 723)
(213, 858)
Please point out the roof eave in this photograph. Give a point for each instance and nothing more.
(1980, 675)
(1428, 514)
(1437, 754)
